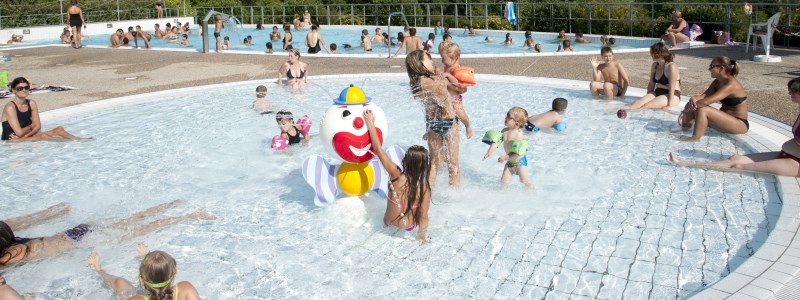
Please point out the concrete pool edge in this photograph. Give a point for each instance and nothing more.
(773, 265)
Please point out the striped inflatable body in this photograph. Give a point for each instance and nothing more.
(321, 176)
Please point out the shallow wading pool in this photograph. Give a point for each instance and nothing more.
(609, 217)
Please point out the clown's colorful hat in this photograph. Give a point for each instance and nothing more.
(352, 95)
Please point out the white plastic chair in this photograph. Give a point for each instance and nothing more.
(765, 31)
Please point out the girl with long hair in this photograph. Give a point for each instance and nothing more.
(409, 195)
(430, 85)
(664, 89)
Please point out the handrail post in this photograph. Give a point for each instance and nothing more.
(415, 15)
(352, 15)
(609, 20)
(728, 17)
(456, 5)
(551, 17)
(652, 19)
(117, 12)
(486, 15)
(428, 13)
(630, 19)
(570, 17)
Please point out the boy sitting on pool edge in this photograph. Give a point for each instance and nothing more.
(615, 80)
(552, 118)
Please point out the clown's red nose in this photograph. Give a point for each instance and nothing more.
(358, 123)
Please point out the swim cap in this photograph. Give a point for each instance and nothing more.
(519, 147)
(352, 95)
(560, 126)
(493, 137)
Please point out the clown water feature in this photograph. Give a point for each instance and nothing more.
(344, 135)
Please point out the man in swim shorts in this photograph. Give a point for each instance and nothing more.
(608, 78)
(217, 29)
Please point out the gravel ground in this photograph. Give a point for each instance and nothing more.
(102, 73)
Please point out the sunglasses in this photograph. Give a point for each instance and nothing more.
(22, 88)
(713, 66)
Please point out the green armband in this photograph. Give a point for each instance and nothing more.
(520, 147)
(493, 137)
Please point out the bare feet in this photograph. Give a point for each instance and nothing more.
(674, 159)
(141, 250)
(94, 262)
(202, 215)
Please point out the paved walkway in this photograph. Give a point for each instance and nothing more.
(102, 73)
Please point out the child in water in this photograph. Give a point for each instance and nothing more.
(514, 144)
(156, 276)
(451, 54)
(262, 104)
(409, 188)
(553, 118)
(226, 44)
(185, 40)
(289, 129)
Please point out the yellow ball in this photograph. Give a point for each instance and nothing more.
(355, 179)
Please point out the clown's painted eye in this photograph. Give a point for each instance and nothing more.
(345, 114)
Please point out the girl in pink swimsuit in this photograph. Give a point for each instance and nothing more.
(409, 190)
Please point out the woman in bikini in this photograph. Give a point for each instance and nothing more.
(296, 72)
(725, 89)
(663, 91)
(15, 249)
(21, 118)
(783, 163)
(159, 9)
(409, 189)
(156, 274)
(76, 21)
(430, 86)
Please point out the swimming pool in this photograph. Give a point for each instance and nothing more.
(470, 44)
(609, 217)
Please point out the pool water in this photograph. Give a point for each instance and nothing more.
(470, 44)
(609, 217)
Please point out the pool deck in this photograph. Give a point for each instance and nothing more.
(103, 73)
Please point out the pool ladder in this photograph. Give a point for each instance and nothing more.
(389, 30)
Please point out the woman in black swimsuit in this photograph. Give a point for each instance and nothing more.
(21, 118)
(726, 89)
(14, 249)
(442, 129)
(295, 70)
(784, 163)
(76, 21)
(663, 91)
(287, 38)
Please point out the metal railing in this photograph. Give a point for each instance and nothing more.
(631, 19)
(54, 12)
